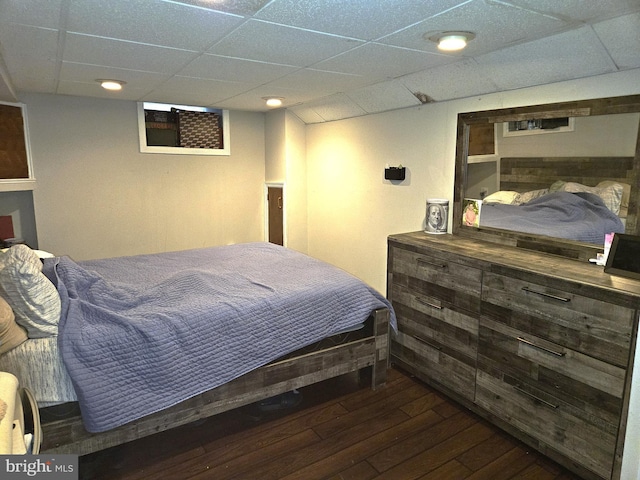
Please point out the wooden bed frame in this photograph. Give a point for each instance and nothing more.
(367, 353)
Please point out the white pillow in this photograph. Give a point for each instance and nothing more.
(503, 196)
(33, 298)
(626, 193)
(610, 195)
(533, 194)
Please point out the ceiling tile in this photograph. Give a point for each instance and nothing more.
(229, 69)
(146, 22)
(319, 82)
(94, 90)
(196, 91)
(579, 10)
(238, 7)
(254, 99)
(306, 114)
(120, 54)
(141, 81)
(37, 13)
(266, 42)
(30, 54)
(382, 62)
(543, 61)
(384, 96)
(625, 54)
(363, 19)
(336, 107)
(438, 83)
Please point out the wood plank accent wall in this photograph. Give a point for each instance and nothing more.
(522, 174)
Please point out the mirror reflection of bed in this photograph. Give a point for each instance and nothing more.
(576, 198)
(572, 180)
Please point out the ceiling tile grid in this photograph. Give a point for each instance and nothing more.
(330, 59)
(146, 22)
(266, 42)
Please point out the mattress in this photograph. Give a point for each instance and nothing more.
(38, 365)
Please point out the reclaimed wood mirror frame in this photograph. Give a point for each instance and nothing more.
(541, 243)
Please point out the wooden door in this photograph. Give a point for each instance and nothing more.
(275, 204)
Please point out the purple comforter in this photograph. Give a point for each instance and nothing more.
(140, 334)
(581, 217)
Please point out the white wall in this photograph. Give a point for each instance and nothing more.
(286, 164)
(98, 196)
(296, 194)
(352, 209)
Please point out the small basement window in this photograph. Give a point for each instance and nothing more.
(183, 129)
(539, 125)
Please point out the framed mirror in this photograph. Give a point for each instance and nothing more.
(519, 167)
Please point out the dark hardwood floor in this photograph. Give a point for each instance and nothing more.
(403, 431)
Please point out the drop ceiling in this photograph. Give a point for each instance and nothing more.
(328, 59)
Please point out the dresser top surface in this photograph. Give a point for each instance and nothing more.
(487, 254)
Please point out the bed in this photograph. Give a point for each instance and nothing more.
(580, 199)
(149, 342)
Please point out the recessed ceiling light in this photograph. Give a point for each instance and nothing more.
(273, 102)
(113, 85)
(451, 41)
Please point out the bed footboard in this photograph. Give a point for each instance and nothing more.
(369, 355)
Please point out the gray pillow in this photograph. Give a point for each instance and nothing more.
(32, 297)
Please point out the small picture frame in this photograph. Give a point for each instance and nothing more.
(471, 208)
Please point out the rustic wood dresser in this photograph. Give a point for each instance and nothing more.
(540, 345)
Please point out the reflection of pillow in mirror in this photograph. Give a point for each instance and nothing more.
(611, 195)
(528, 196)
(626, 192)
(557, 186)
(503, 196)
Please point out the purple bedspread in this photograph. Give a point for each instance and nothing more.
(140, 334)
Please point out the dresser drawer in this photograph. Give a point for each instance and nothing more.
(567, 401)
(436, 339)
(437, 276)
(437, 303)
(593, 327)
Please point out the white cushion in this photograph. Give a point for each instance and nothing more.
(32, 297)
(533, 194)
(626, 193)
(503, 196)
(611, 195)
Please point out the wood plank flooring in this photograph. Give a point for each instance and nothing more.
(340, 431)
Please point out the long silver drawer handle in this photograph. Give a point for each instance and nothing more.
(531, 395)
(428, 304)
(548, 295)
(426, 342)
(433, 264)
(548, 350)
